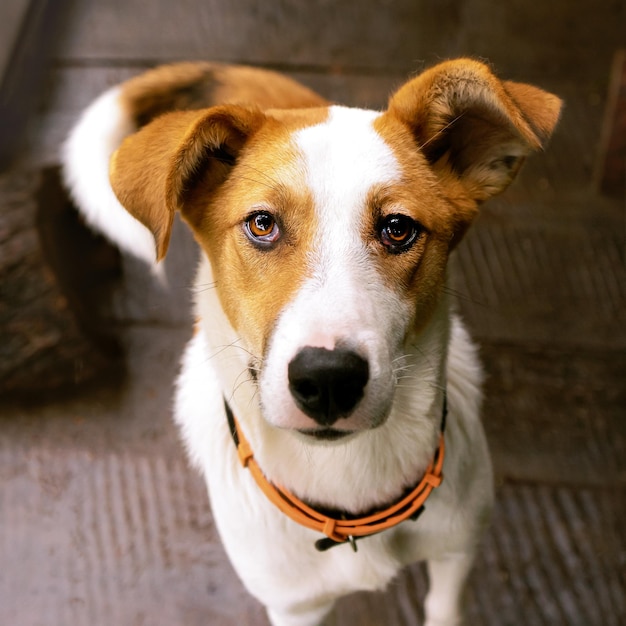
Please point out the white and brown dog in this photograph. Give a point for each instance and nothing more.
(326, 233)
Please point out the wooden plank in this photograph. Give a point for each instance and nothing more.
(520, 38)
(374, 35)
(12, 14)
(611, 170)
(31, 33)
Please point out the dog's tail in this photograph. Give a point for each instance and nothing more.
(123, 109)
(85, 158)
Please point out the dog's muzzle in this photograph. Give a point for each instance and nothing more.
(327, 384)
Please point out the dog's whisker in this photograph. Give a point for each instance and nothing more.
(437, 386)
(233, 344)
(425, 356)
(222, 349)
(407, 377)
(402, 356)
(464, 297)
(199, 291)
(236, 381)
(252, 398)
(262, 173)
(238, 386)
(270, 181)
(403, 367)
(402, 363)
(441, 130)
(404, 376)
(201, 288)
(250, 179)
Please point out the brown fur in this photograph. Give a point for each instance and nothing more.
(472, 127)
(197, 85)
(153, 171)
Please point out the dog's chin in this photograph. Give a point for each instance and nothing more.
(329, 436)
(325, 436)
(308, 431)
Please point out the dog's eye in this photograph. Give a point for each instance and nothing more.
(398, 233)
(261, 228)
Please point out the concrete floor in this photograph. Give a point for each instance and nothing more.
(101, 521)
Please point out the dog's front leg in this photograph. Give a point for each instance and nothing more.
(311, 616)
(447, 576)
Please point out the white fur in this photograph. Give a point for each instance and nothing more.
(85, 157)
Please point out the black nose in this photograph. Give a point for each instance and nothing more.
(327, 384)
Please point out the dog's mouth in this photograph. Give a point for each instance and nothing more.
(325, 434)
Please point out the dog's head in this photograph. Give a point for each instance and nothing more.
(328, 230)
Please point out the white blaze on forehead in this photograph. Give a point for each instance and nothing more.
(344, 158)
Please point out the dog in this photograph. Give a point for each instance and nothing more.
(330, 395)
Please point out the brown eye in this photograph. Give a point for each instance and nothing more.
(398, 233)
(261, 228)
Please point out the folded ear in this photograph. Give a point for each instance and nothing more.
(155, 171)
(473, 126)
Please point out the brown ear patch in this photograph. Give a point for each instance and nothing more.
(156, 170)
(470, 124)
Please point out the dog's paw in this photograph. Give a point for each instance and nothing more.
(315, 616)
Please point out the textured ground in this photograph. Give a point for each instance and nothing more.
(101, 522)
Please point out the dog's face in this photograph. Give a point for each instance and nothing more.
(328, 230)
(329, 249)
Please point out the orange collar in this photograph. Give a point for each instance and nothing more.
(338, 529)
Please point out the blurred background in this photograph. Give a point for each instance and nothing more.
(101, 522)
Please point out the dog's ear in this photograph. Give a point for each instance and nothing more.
(155, 171)
(472, 127)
